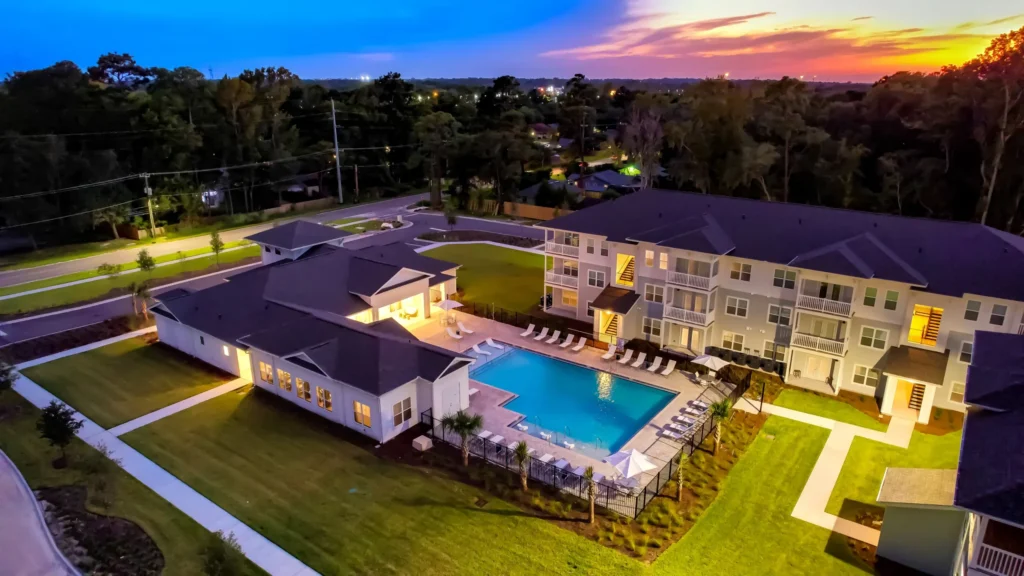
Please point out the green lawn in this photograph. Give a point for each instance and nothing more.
(510, 279)
(92, 290)
(343, 221)
(749, 529)
(122, 381)
(367, 226)
(179, 537)
(827, 408)
(866, 463)
(342, 510)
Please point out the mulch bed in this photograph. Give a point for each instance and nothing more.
(478, 236)
(95, 543)
(46, 345)
(942, 422)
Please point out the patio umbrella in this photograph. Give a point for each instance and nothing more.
(713, 363)
(630, 463)
(448, 306)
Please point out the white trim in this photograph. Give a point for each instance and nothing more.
(775, 347)
(742, 265)
(784, 273)
(661, 328)
(781, 308)
(867, 370)
(589, 310)
(952, 390)
(885, 343)
(961, 353)
(886, 300)
(746, 307)
(743, 341)
(1006, 311)
(656, 287)
(604, 281)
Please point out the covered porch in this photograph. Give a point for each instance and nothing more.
(912, 376)
(613, 309)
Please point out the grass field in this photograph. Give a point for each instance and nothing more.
(122, 381)
(93, 290)
(865, 466)
(179, 538)
(343, 221)
(827, 408)
(342, 510)
(510, 279)
(749, 529)
(367, 226)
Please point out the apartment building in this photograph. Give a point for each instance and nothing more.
(829, 299)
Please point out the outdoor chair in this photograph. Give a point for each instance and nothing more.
(626, 357)
(609, 354)
(668, 369)
(526, 333)
(453, 334)
(580, 345)
(568, 341)
(494, 344)
(480, 351)
(639, 360)
(655, 365)
(671, 434)
(543, 334)
(463, 328)
(554, 337)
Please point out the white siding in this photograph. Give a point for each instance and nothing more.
(200, 345)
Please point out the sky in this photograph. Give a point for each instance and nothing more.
(837, 41)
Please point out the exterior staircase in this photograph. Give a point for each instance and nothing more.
(931, 331)
(612, 328)
(627, 274)
(916, 396)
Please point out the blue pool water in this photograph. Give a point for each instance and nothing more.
(595, 410)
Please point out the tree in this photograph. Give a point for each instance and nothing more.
(145, 261)
(754, 163)
(222, 555)
(216, 244)
(141, 291)
(719, 412)
(113, 216)
(782, 113)
(679, 475)
(57, 425)
(588, 477)
(435, 134)
(120, 70)
(109, 270)
(133, 289)
(451, 211)
(464, 425)
(191, 207)
(521, 453)
(7, 376)
(643, 135)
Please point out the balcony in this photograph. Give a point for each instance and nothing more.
(689, 280)
(995, 561)
(819, 344)
(687, 316)
(562, 249)
(825, 305)
(562, 279)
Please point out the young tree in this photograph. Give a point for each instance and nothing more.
(141, 291)
(588, 477)
(133, 289)
(719, 412)
(222, 555)
(58, 425)
(145, 262)
(109, 270)
(679, 475)
(112, 216)
(521, 453)
(464, 425)
(7, 375)
(216, 244)
(451, 211)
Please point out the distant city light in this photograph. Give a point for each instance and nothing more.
(435, 93)
(612, 93)
(365, 78)
(726, 74)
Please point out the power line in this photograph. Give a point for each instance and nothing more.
(249, 165)
(67, 216)
(68, 188)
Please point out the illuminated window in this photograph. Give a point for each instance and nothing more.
(362, 412)
(973, 310)
(779, 315)
(649, 258)
(774, 351)
(966, 351)
(323, 399)
(870, 295)
(225, 349)
(998, 315)
(873, 337)
(784, 278)
(654, 293)
(302, 388)
(266, 373)
(740, 272)
(736, 306)
(956, 393)
(866, 376)
(569, 298)
(663, 261)
(732, 341)
(284, 380)
(924, 325)
(402, 411)
(891, 299)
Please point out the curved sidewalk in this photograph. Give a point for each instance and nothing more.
(26, 547)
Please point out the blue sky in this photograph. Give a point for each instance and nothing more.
(457, 38)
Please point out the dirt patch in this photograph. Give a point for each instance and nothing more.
(95, 543)
(942, 422)
(479, 236)
(46, 345)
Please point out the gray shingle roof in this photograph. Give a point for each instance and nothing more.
(298, 234)
(618, 300)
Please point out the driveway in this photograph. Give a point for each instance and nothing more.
(25, 545)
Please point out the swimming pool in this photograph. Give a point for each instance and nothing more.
(596, 411)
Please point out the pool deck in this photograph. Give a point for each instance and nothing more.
(488, 399)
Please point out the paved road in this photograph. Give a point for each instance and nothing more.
(382, 208)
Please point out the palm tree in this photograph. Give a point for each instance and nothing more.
(588, 477)
(521, 453)
(719, 412)
(465, 425)
(133, 288)
(679, 475)
(141, 291)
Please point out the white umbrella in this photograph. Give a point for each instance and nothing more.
(447, 305)
(630, 463)
(713, 363)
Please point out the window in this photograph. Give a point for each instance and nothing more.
(870, 295)
(652, 328)
(779, 315)
(569, 268)
(402, 411)
(736, 306)
(277, 251)
(323, 399)
(973, 310)
(774, 351)
(569, 298)
(866, 376)
(998, 315)
(202, 340)
(266, 248)
(784, 278)
(595, 278)
(653, 293)
(362, 412)
(663, 260)
(590, 245)
(604, 248)
(891, 299)
(873, 337)
(966, 350)
(284, 380)
(302, 388)
(225, 349)
(924, 325)
(590, 309)
(732, 341)
(740, 272)
(266, 373)
(649, 258)
(956, 394)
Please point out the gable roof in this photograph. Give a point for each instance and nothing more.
(298, 234)
(944, 257)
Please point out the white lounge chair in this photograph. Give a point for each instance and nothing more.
(546, 458)
(554, 337)
(483, 434)
(685, 420)
(453, 334)
(671, 434)
(655, 365)
(626, 357)
(562, 464)
(668, 369)
(480, 351)
(527, 332)
(580, 345)
(568, 341)
(699, 404)
(569, 445)
(543, 334)
(579, 470)
(609, 355)
(678, 427)
(545, 436)
(494, 344)
(463, 328)
(639, 360)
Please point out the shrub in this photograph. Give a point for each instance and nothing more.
(222, 556)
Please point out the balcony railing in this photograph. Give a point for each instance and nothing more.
(562, 279)
(824, 305)
(997, 561)
(684, 315)
(827, 345)
(688, 280)
(562, 249)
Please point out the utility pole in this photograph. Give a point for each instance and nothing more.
(149, 204)
(337, 153)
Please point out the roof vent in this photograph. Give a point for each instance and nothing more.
(875, 224)
(659, 214)
(743, 216)
(220, 316)
(799, 220)
(920, 250)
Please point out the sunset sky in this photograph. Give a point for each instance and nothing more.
(857, 41)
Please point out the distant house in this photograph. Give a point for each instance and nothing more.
(529, 195)
(596, 184)
(565, 142)
(542, 130)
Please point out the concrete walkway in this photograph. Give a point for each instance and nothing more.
(810, 507)
(26, 546)
(261, 551)
(185, 404)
